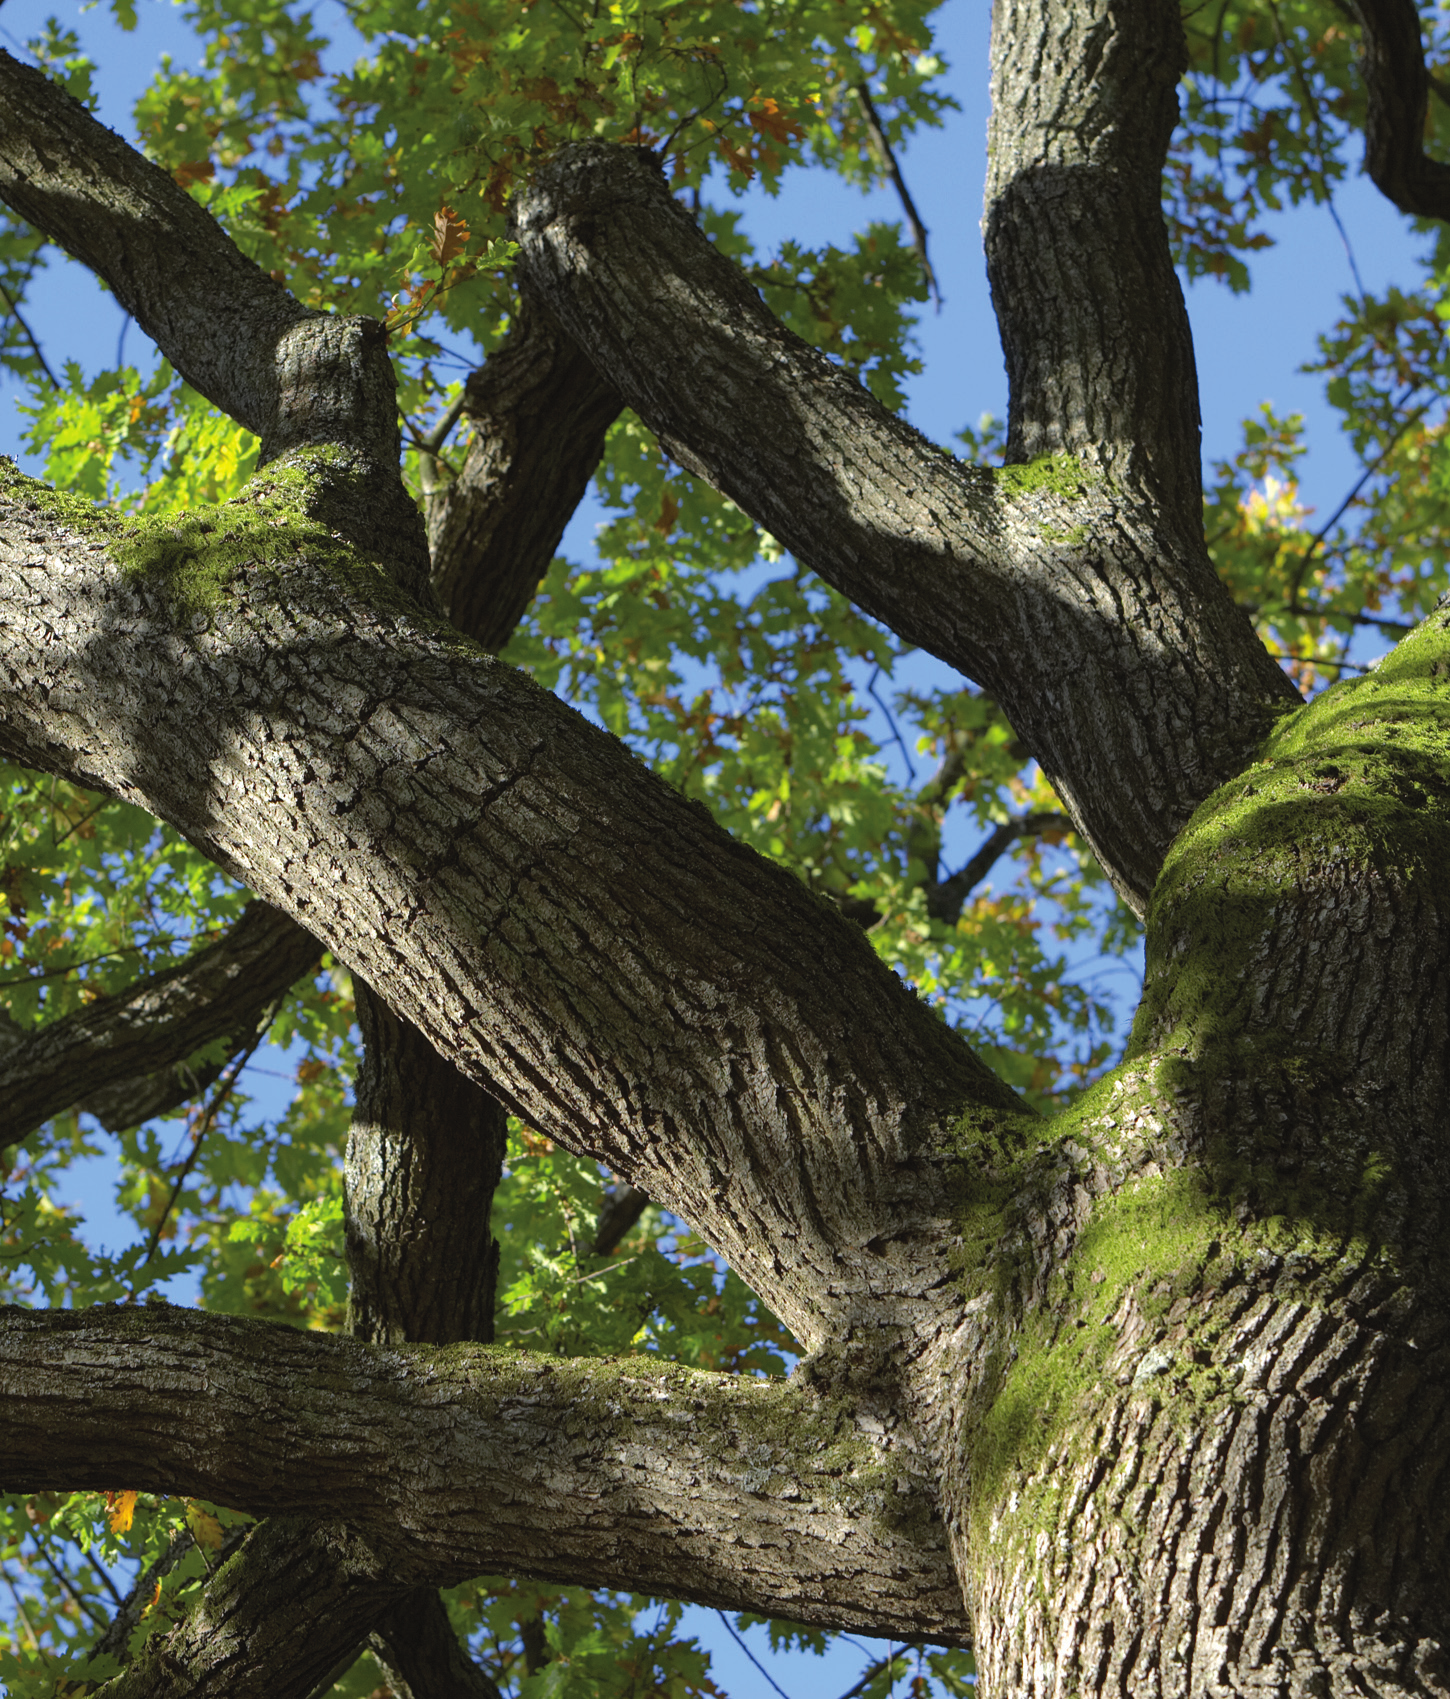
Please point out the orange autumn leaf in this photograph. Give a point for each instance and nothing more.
(450, 236)
(194, 171)
(771, 121)
(121, 1511)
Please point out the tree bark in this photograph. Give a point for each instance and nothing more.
(424, 1154)
(540, 413)
(487, 855)
(1173, 1366)
(467, 1460)
(1397, 87)
(120, 1054)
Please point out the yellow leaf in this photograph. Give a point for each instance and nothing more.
(122, 1510)
(205, 1529)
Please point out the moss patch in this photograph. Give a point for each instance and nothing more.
(1357, 781)
(193, 557)
(1062, 475)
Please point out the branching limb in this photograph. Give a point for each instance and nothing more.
(275, 1620)
(121, 1057)
(1398, 89)
(744, 1495)
(295, 377)
(539, 411)
(1086, 605)
(501, 871)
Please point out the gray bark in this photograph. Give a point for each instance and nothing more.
(449, 1462)
(539, 413)
(393, 789)
(424, 1154)
(118, 1057)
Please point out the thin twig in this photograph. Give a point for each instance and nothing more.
(105, 1576)
(1359, 484)
(877, 133)
(35, 1645)
(61, 972)
(881, 1665)
(1314, 661)
(96, 1616)
(15, 313)
(1318, 117)
(751, 1655)
(204, 1125)
(900, 741)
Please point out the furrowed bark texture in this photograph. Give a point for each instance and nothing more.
(119, 1053)
(1227, 1478)
(454, 1462)
(416, 1645)
(502, 873)
(426, 1145)
(276, 1619)
(1398, 90)
(1094, 330)
(1218, 1460)
(540, 412)
(424, 1154)
(1085, 603)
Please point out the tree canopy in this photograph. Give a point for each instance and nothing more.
(489, 183)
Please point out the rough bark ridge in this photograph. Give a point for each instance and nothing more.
(1171, 1368)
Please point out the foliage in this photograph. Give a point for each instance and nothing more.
(371, 170)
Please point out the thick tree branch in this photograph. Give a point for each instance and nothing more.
(416, 1645)
(174, 269)
(540, 412)
(120, 1053)
(1084, 604)
(1397, 86)
(747, 1495)
(274, 1622)
(1096, 338)
(502, 872)
(423, 1157)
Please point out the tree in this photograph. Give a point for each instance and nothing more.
(1146, 1394)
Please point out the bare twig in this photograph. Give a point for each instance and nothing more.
(204, 1126)
(14, 313)
(877, 133)
(868, 1676)
(730, 1630)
